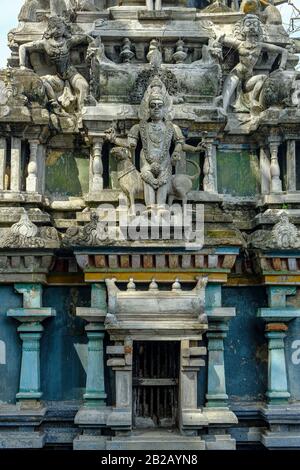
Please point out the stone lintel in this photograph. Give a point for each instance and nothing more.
(220, 314)
(94, 315)
(31, 314)
(285, 314)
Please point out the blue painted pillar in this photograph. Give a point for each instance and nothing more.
(95, 395)
(276, 316)
(30, 330)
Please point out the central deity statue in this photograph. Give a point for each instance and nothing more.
(158, 135)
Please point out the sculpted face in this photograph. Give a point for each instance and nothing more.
(156, 109)
(59, 30)
(251, 26)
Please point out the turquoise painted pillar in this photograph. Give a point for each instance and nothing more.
(218, 318)
(276, 317)
(277, 373)
(30, 330)
(216, 384)
(95, 389)
(30, 335)
(95, 395)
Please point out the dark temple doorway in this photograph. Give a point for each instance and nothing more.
(155, 383)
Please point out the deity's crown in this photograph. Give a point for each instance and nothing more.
(157, 90)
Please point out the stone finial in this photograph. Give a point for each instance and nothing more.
(131, 287)
(153, 285)
(154, 55)
(176, 286)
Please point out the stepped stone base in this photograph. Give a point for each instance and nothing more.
(155, 440)
(22, 440)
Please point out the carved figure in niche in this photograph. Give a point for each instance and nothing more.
(249, 45)
(157, 133)
(95, 58)
(67, 86)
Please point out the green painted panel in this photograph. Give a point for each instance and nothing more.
(67, 173)
(238, 173)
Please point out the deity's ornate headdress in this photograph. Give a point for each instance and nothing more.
(155, 91)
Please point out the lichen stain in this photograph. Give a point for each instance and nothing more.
(261, 353)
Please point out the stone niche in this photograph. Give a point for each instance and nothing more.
(156, 354)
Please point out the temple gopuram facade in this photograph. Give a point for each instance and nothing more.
(150, 227)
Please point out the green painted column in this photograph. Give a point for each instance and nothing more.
(30, 316)
(95, 395)
(216, 384)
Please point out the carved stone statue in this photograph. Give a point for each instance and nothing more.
(57, 44)
(249, 44)
(157, 133)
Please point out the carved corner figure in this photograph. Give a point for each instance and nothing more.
(249, 44)
(157, 134)
(67, 85)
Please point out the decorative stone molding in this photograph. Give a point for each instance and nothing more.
(166, 312)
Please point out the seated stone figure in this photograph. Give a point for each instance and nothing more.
(66, 85)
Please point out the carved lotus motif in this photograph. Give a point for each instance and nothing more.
(24, 227)
(285, 234)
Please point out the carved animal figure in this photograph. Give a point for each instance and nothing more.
(130, 180)
(181, 185)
